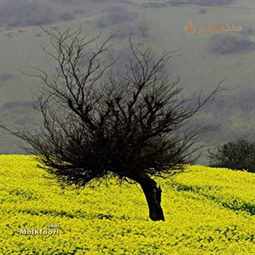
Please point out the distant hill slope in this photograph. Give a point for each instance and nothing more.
(208, 211)
(201, 61)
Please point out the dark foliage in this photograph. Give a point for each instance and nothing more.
(238, 155)
(98, 119)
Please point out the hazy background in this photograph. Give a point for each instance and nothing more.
(203, 60)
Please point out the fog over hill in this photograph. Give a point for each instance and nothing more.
(203, 59)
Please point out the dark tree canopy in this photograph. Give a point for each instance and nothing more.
(237, 155)
(98, 119)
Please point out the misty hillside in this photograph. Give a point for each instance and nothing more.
(201, 60)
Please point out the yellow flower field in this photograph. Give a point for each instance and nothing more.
(208, 211)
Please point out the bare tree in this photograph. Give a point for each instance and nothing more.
(98, 119)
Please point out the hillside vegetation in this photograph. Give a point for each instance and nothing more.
(207, 211)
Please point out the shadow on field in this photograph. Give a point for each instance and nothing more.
(55, 213)
(71, 215)
(233, 204)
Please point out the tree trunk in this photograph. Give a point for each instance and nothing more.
(153, 196)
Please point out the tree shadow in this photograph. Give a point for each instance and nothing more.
(234, 204)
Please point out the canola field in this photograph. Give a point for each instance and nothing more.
(208, 211)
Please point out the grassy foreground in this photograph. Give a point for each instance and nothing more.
(207, 211)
